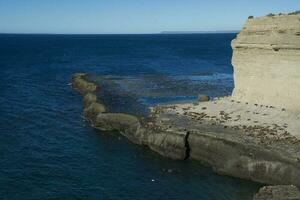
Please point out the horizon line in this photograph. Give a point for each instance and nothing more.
(156, 33)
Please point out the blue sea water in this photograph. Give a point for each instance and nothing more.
(47, 151)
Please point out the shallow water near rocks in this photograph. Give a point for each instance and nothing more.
(48, 151)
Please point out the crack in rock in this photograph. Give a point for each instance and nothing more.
(187, 145)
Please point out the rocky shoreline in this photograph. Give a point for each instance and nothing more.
(229, 151)
(253, 134)
(279, 192)
(138, 130)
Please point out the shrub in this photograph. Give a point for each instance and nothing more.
(271, 15)
(294, 13)
(250, 17)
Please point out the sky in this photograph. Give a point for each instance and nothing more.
(132, 16)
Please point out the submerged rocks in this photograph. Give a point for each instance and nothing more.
(278, 192)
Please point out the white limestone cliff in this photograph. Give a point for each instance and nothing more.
(266, 61)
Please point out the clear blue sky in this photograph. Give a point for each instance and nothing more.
(132, 16)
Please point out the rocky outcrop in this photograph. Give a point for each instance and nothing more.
(234, 154)
(81, 85)
(279, 192)
(266, 61)
(89, 98)
(172, 144)
(174, 132)
(92, 110)
(242, 136)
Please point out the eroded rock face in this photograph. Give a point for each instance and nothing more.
(116, 121)
(266, 60)
(278, 192)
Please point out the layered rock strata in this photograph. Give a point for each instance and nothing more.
(266, 60)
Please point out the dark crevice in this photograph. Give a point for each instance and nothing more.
(187, 145)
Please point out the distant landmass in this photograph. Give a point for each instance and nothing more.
(197, 32)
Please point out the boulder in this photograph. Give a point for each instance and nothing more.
(89, 98)
(81, 85)
(203, 98)
(91, 111)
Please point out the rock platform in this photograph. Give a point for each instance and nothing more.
(182, 132)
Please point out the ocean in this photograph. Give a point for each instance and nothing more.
(48, 151)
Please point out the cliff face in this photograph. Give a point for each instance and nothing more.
(266, 60)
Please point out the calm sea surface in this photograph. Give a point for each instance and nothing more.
(47, 151)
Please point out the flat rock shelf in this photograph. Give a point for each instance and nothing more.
(195, 131)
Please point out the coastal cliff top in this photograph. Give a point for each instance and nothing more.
(282, 30)
(276, 15)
